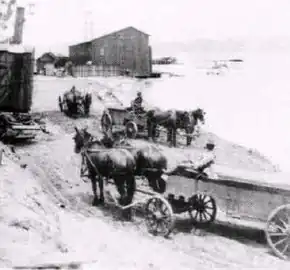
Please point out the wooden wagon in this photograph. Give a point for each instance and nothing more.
(116, 119)
(254, 203)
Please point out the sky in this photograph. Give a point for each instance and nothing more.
(58, 22)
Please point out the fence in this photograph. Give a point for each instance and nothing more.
(94, 71)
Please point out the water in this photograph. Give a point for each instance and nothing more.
(250, 106)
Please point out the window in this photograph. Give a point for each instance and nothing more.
(102, 51)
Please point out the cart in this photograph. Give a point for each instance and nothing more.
(75, 104)
(116, 119)
(252, 203)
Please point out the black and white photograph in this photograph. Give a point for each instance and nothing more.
(145, 135)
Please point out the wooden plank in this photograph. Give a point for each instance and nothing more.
(237, 200)
(251, 184)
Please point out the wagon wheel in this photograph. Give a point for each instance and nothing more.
(159, 216)
(131, 130)
(60, 104)
(202, 208)
(278, 231)
(106, 122)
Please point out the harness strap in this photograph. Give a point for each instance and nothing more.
(85, 154)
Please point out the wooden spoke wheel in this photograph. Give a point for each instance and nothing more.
(106, 122)
(159, 216)
(202, 208)
(278, 231)
(131, 130)
(60, 104)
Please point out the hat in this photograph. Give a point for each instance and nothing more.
(210, 145)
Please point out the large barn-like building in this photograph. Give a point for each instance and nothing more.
(127, 48)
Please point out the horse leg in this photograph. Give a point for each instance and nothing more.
(130, 188)
(94, 188)
(119, 182)
(101, 187)
(188, 137)
(174, 137)
(169, 134)
(154, 128)
(149, 129)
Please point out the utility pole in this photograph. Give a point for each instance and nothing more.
(88, 21)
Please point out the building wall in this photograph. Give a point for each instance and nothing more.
(80, 53)
(128, 49)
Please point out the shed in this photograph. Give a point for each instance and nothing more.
(49, 61)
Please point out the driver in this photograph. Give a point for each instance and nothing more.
(73, 90)
(203, 164)
(206, 160)
(137, 103)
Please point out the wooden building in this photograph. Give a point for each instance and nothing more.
(49, 61)
(127, 48)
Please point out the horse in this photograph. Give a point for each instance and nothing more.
(117, 164)
(150, 161)
(173, 120)
(198, 115)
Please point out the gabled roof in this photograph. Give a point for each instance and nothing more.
(109, 34)
(50, 54)
(123, 29)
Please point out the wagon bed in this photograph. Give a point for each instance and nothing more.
(257, 200)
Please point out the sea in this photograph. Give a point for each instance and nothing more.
(248, 103)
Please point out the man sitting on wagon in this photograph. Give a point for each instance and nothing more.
(137, 104)
(203, 164)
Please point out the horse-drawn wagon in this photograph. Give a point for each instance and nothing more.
(253, 203)
(124, 119)
(249, 203)
(229, 197)
(74, 103)
(16, 90)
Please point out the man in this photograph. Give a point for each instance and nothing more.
(203, 164)
(137, 103)
(206, 160)
(73, 90)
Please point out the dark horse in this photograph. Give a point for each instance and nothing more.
(173, 120)
(76, 103)
(116, 164)
(150, 163)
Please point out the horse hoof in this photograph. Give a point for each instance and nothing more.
(127, 215)
(96, 202)
(101, 201)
